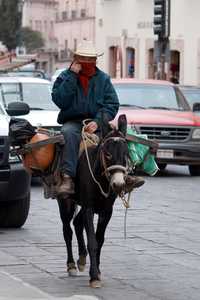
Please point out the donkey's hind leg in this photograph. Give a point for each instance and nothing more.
(79, 226)
(66, 210)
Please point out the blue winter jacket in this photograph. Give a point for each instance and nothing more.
(68, 95)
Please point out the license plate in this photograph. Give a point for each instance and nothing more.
(165, 154)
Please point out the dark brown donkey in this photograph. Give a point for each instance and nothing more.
(95, 194)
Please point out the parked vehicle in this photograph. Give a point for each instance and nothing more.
(25, 73)
(14, 179)
(192, 95)
(159, 109)
(56, 74)
(36, 93)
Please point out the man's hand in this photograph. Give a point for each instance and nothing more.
(76, 67)
(91, 127)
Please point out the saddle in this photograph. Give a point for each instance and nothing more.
(40, 151)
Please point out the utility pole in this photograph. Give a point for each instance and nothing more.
(161, 28)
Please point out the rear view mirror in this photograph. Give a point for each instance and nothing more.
(17, 109)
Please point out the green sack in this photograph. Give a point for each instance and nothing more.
(140, 154)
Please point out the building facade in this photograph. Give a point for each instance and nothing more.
(124, 30)
(75, 21)
(40, 15)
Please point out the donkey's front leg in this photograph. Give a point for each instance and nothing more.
(92, 247)
(103, 220)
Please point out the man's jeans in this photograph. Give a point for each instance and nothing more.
(72, 135)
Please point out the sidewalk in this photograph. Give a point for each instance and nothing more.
(13, 288)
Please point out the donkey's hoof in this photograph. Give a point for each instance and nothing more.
(71, 269)
(95, 284)
(81, 262)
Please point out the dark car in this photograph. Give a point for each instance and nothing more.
(159, 110)
(14, 179)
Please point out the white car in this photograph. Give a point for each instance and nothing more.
(56, 74)
(36, 93)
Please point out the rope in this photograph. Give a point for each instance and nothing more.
(126, 205)
(87, 137)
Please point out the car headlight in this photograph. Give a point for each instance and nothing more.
(196, 133)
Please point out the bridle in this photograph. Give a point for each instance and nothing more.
(106, 170)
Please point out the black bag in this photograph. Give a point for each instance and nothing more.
(20, 131)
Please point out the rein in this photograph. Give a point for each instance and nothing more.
(87, 137)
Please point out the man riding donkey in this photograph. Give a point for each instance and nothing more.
(83, 92)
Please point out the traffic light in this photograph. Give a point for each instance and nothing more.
(161, 19)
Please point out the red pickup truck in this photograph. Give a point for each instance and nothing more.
(159, 109)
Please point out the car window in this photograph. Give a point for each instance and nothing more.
(192, 96)
(27, 74)
(9, 92)
(144, 95)
(38, 96)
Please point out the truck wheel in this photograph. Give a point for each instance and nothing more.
(194, 170)
(14, 214)
(162, 166)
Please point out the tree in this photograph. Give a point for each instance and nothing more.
(10, 23)
(31, 39)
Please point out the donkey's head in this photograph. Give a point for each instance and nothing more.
(114, 154)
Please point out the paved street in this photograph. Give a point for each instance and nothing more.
(160, 259)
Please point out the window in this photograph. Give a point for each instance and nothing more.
(45, 26)
(73, 14)
(67, 5)
(64, 15)
(83, 13)
(57, 17)
(75, 44)
(147, 96)
(37, 95)
(40, 25)
(52, 26)
(66, 44)
(10, 92)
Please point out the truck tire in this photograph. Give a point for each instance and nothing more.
(15, 213)
(194, 170)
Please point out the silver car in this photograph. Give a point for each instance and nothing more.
(36, 92)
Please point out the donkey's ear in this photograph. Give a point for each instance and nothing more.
(105, 126)
(122, 124)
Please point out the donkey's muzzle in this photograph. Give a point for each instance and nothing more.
(117, 182)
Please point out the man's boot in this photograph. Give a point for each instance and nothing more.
(133, 182)
(65, 187)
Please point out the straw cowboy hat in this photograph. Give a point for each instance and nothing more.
(87, 48)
